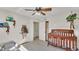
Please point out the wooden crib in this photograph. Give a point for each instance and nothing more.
(63, 38)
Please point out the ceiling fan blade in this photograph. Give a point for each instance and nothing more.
(33, 13)
(43, 13)
(46, 9)
(29, 9)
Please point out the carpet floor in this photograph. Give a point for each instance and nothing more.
(39, 45)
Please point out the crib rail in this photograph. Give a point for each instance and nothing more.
(63, 38)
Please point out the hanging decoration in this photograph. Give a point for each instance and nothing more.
(11, 19)
(71, 18)
(24, 31)
(5, 25)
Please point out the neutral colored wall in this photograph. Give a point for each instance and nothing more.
(42, 30)
(15, 32)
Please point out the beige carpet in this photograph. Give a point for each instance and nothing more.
(39, 45)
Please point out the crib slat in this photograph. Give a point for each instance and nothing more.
(63, 38)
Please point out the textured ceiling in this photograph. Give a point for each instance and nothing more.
(56, 11)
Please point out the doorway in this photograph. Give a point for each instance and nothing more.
(46, 30)
(36, 30)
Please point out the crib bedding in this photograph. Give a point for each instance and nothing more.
(12, 46)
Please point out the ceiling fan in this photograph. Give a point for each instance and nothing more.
(41, 10)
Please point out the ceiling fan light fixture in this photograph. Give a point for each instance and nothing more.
(40, 10)
(37, 13)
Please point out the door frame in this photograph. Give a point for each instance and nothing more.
(34, 29)
(46, 30)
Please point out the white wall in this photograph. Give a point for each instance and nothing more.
(15, 32)
(57, 19)
(42, 30)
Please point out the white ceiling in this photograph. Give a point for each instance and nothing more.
(56, 11)
(18, 10)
